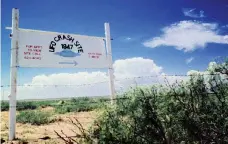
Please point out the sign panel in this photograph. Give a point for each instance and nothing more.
(58, 50)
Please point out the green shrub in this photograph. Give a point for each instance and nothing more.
(26, 106)
(34, 117)
(4, 106)
(44, 104)
(78, 105)
(74, 108)
(194, 111)
(21, 105)
(73, 105)
(81, 99)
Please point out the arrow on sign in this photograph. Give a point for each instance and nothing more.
(74, 62)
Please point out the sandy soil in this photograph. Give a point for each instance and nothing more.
(32, 134)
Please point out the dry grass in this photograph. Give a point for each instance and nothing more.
(32, 134)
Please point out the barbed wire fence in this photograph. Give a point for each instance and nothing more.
(92, 88)
(121, 85)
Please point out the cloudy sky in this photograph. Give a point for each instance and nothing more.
(149, 38)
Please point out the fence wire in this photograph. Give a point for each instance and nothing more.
(88, 88)
(35, 91)
(120, 79)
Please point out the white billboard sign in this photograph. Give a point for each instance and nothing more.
(33, 48)
(50, 49)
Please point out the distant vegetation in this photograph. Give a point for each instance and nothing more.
(30, 111)
(34, 117)
(62, 106)
(26, 105)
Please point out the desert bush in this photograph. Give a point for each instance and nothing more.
(4, 105)
(75, 108)
(81, 99)
(34, 117)
(73, 105)
(44, 104)
(26, 106)
(192, 111)
(21, 105)
(78, 105)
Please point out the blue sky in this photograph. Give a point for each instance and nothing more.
(132, 22)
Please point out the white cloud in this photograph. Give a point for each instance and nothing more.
(188, 36)
(72, 84)
(192, 13)
(189, 60)
(140, 71)
(225, 26)
(135, 67)
(128, 38)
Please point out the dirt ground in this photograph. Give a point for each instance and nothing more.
(32, 134)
